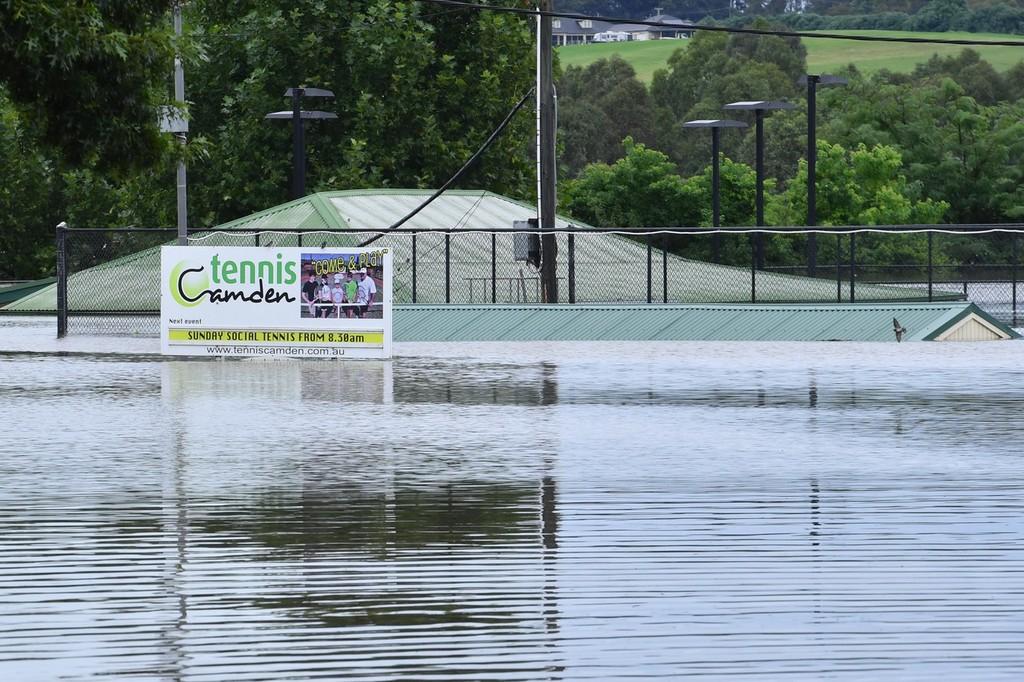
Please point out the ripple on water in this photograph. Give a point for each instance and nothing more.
(508, 511)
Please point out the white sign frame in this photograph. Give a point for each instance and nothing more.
(246, 301)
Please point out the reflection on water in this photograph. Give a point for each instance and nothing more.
(516, 512)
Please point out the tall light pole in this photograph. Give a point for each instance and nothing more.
(813, 81)
(759, 107)
(715, 124)
(297, 115)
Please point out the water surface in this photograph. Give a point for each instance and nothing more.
(512, 511)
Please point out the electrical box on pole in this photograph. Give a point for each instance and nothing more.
(526, 242)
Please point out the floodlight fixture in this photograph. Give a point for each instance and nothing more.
(759, 107)
(297, 115)
(715, 124)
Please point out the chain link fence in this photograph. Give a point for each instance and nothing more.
(108, 280)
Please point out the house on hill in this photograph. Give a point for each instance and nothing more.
(583, 31)
(577, 31)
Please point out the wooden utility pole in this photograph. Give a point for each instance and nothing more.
(546, 200)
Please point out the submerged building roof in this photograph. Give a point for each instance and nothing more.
(610, 268)
(18, 290)
(953, 321)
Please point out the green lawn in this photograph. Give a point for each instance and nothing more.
(823, 55)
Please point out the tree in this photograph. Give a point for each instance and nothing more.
(978, 78)
(715, 69)
(26, 200)
(90, 75)
(639, 190)
(601, 105)
(737, 190)
(938, 15)
(955, 148)
(417, 92)
(583, 136)
(865, 186)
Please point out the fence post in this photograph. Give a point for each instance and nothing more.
(256, 239)
(853, 264)
(447, 267)
(664, 268)
(647, 238)
(1013, 275)
(812, 254)
(931, 236)
(753, 268)
(62, 281)
(839, 268)
(572, 267)
(413, 267)
(299, 237)
(494, 268)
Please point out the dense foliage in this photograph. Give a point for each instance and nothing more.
(998, 16)
(87, 75)
(599, 106)
(418, 89)
(415, 96)
(937, 15)
(941, 144)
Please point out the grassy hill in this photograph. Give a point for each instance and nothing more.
(823, 55)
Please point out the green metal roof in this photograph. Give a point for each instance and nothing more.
(610, 268)
(377, 209)
(13, 292)
(851, 322)
(788, 322)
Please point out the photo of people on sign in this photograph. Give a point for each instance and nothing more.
(339, 284)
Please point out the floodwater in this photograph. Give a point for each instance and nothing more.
(512, 511)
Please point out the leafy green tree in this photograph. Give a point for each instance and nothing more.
(957, 149)
(91, 74)
(858, 187)
(998, 17)
(27, 200)
(938, 15)
(641, 189)
(978, 78)
(583, 136)
(418, 90)
(713, 70)
(1013, 82)
(92, 199)
(861, 187)
(600, 105)
(737, 190)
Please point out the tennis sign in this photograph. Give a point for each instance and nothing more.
(287, 302)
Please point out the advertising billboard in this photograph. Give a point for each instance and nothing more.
(287, 302)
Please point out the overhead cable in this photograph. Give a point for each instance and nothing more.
(487, 143)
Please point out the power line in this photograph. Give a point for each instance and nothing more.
(487, 143)
(727, 29)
